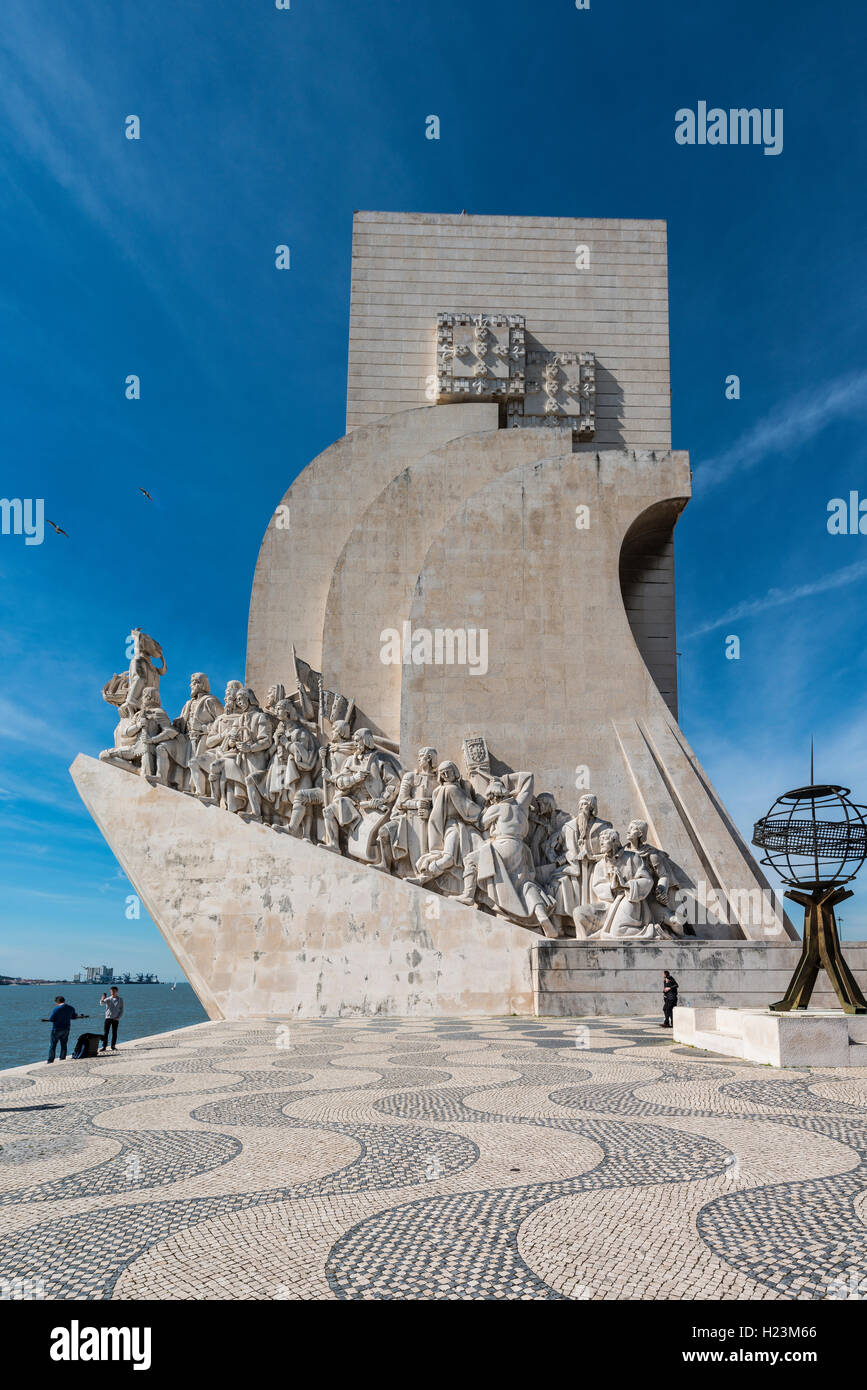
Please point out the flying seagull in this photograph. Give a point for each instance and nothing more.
(145, 492)
(59, 529)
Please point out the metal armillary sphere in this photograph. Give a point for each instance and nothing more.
(813, 836)
(816, 839)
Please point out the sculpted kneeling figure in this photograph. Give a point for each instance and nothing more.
(621, 887)
(666, 879)
(160, 747)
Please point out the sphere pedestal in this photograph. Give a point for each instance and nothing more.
(821, 948)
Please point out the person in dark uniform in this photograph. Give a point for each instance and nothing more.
(669, 998)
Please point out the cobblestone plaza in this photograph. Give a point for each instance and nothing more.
(492, 1159)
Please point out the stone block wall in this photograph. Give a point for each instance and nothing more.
(573, 979)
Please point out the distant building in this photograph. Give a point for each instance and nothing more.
(97, 974)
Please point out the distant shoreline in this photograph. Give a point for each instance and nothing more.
(10, 981)
(150, 1010)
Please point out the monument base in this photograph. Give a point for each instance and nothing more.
(573, 979)
(266, 926)
(810, 1038)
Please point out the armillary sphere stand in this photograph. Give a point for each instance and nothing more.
(821, 948)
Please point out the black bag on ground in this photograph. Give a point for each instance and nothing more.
(87, 1045)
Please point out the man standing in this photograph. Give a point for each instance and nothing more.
(60, 1018)
(113, 1014)
(669, 998)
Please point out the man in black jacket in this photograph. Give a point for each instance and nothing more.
(669, 998)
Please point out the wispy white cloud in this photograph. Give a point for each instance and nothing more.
(777, 598)
(789, 425)
(19, 725)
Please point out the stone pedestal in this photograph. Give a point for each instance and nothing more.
(265, 925)
(573, 979)
(814, 1038)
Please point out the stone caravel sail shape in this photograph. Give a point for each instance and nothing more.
(480, 533)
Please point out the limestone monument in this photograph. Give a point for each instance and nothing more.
(466, 790)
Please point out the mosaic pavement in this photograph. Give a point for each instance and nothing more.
(444, 1159)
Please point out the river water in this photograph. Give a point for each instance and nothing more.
(147, 1009)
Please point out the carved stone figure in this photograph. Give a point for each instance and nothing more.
(308, 802)
(195, 721)
(404, 839)
(273, 696)
(128, 687)
(575, 849)
(221, 742)
(143, 673)
(161, 748)
(452, 832)
(666, 879)
(126, 751)
(364, 792)
(486, 840)
(582, 842)
(545, 823)
(294, 761)
(502, 867)
(252, 738)
(622, 884)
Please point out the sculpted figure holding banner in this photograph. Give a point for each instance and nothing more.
(404, 838)
(502, 867)
(452, 832)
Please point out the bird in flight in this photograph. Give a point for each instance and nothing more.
(59, 529)
(145, 493)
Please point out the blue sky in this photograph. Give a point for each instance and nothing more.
(156, 257)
